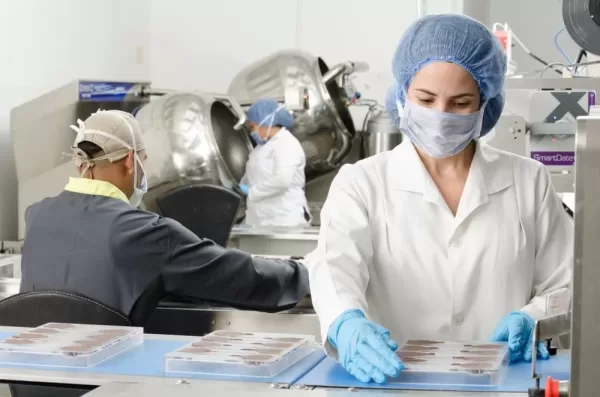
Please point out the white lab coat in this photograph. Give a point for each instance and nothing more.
(275, 174)
(389, 246)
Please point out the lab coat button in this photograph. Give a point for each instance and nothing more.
(459, 318)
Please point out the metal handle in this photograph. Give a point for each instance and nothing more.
(236, 108)
(346, 68)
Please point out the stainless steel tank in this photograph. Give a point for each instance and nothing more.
(381, 134)
(317, 96)
(193, 138)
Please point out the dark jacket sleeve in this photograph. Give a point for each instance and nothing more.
(200, 269)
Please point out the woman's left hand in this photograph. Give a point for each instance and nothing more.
(517, 329)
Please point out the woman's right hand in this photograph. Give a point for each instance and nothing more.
(244, 189)
(365, 349)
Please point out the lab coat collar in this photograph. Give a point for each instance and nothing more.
(95, 188)
(281, 132)
(491, 172)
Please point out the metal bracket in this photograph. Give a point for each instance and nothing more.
(279, 386)
(303, 387)
(548, 328)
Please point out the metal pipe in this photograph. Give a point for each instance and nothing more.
(337, 71)
(345, 68)
(421, 8)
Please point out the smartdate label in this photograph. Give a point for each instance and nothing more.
(554, 158)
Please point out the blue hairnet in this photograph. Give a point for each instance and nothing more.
(262, 110)
(460, 40)
(391, 105)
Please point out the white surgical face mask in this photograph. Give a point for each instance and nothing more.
(138, 192)
(437, 133)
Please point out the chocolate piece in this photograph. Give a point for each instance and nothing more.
(424, 342)
(413, 360)
(76, 349)
(31, 336)
(485, 347)
(410, 348)
(60, 326)
(46, 331)
(19, 342)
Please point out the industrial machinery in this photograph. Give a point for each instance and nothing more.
(201, 138)
(539, 121)
(380, 134)
(193, 138)
(318, 97)
(581, 19)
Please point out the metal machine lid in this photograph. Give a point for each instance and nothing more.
(232, 145)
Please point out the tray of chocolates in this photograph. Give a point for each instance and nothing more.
(453, 363)
(240, 354)
(68, 345)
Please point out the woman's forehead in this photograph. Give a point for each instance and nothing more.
(445, 78)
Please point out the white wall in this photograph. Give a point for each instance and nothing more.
(535, 22)
(204, 43)
(44, 44)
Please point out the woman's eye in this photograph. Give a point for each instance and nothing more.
(462, 104)
(425, 100)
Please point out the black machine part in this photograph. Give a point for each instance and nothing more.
(582, 20)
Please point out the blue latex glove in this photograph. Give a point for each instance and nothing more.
(517, 329)
(244, 189)
(365, 349)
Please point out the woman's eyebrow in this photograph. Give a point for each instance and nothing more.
(461, 95)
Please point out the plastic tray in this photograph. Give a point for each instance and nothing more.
(240, 354)
(453, 363)
(68, 345)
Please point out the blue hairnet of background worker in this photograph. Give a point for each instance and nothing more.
(444, 237)
(274, 178)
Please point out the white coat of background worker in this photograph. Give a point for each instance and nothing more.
(274, 179)
(443, 237)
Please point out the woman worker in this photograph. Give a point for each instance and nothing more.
(443, 237)
(274, 178)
